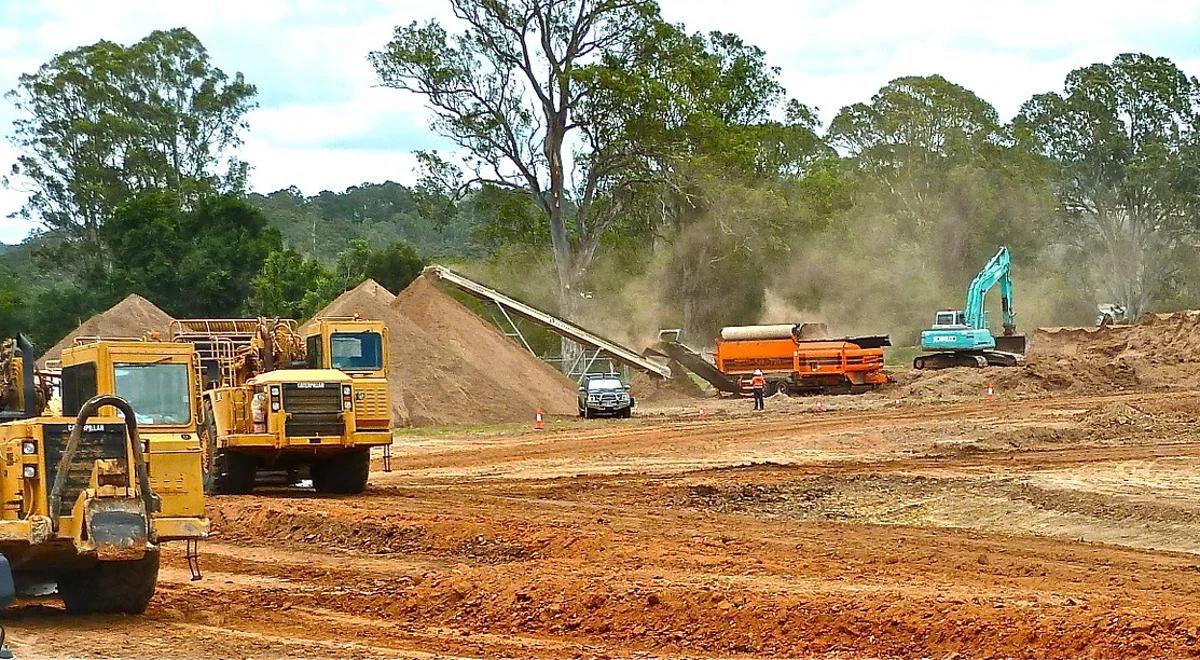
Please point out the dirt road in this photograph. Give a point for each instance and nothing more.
(1045, 527)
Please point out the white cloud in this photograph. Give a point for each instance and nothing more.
(313, 169)
(834, 54)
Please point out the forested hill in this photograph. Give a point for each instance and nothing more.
(322, 225)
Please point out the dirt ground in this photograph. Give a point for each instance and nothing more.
(1048, 526)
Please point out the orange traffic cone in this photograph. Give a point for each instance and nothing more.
(991, 392)
(820, 406)
(702, 413)
(897, 402)
(538, 423)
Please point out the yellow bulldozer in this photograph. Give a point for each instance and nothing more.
(275, 400)
(89, 495)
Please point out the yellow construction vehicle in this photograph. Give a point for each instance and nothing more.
(270, 404)
(80, 505)
(360, 349)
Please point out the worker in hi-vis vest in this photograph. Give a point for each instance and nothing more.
(758, 385)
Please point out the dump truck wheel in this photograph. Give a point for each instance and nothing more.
(223, 473)
(235, 473)
(342, 473)
(111, 587)
(208, 449)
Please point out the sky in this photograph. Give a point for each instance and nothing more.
(323, 124)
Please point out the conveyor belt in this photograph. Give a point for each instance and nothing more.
(550, 322)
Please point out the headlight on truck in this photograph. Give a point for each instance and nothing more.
(29, 471)
(345, 390)
(28, 447)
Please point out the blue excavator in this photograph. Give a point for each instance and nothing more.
(960, 337)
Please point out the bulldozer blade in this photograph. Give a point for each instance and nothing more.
(1011, 344)
(118, 528)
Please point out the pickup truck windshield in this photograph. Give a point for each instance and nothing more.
(356, 351)
(605, 384)
(158, 392)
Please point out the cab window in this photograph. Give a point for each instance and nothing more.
(356, 351)
(158, 392)
(78, 385)
(314, 351)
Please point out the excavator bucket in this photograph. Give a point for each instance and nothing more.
(1011, 344)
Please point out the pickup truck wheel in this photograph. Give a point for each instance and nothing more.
(344, 474)
(111, 587)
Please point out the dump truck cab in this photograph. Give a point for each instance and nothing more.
(359, 349)
(80, 507)
(157, 379)
(264, 410)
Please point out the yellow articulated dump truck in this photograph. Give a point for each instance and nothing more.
(274, 401)
(88, 496)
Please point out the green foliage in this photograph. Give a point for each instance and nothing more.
(394, 267)
(100, 123)
(914, 119)
(288, 286)
(191, 262)
(350, 268)
(323, 225)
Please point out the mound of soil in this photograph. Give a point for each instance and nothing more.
(478, 375)
(680, 388)
(1161, 351)
(133, 317)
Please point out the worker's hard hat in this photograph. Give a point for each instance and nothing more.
(758, 372)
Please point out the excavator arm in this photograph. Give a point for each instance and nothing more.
(996, 271)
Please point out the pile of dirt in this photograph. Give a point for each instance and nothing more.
(133, 317)
(477, 375)
(1161, 351)
(448, 366)
(679, 388)
(370, 300)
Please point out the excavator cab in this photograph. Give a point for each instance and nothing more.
(946, 319)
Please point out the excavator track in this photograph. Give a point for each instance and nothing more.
(977, 359)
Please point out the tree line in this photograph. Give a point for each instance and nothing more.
(619, 169)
